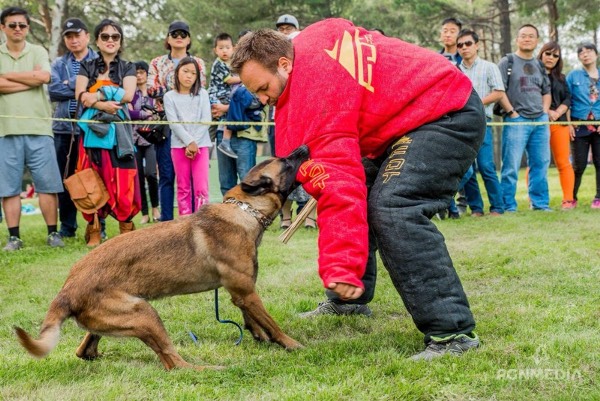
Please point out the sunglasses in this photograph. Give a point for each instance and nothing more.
(286, 28)
(468, 43)
(115, 37)
(14, 25)
(550, 54)
(179, 34)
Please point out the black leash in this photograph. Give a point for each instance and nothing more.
(239, 340)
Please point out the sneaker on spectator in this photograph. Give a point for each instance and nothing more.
(453, 215)
(14, 244)
(453, 345)
(596, 203)
(331, 308)
(226, 149)
(54, 240)
(568, 204)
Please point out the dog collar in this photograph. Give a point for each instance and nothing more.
(262, 219)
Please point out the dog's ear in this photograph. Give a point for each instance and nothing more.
(257, 186)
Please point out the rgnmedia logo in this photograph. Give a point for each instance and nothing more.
(539, 374)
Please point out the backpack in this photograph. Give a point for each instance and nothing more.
(498, 110)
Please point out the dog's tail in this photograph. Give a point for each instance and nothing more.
(59, 311)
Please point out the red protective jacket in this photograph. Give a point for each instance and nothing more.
(350, 93)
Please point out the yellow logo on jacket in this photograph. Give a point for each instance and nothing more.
(357, 55)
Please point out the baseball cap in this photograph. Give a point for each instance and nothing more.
(287, 19)
(586, 45)
(73, 25)
(179, 26)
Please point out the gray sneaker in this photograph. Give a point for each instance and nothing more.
(14, 244)
(331, 308)
(453, 345)
(55, 240)
(226, 149)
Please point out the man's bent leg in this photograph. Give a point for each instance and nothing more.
(418, 178)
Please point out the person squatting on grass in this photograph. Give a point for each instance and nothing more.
(391, 128)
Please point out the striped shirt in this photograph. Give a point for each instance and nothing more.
(75, 64)
(486, 78)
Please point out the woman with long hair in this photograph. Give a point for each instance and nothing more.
(109, 74)
(551, 57)
(161, 79)
(584, 84)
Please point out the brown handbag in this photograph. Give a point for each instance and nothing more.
(87, 190)
(85, 187)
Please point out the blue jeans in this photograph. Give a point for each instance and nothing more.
(468, 175)
(67, 213)
(229, 168)
(166, 177)
(487, 168)
(535, 141)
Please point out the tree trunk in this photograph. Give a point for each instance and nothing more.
(58, 14)
(552, 19)
(504, 8)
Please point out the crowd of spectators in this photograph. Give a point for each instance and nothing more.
(529, 85)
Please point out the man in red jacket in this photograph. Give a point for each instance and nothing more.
(391, 129)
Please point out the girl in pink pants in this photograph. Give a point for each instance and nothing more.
(190, 143)
(191, 175)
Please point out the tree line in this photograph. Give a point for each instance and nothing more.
(146, 21)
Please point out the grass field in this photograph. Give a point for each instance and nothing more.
(532, 280)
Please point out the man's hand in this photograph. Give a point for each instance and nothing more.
(572, 132)
(110, 106)
(219, 109)
(346, 291)
(88, 99)
(553, 115)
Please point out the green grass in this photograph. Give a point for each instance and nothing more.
(531, 277)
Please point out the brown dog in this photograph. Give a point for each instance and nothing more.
(106, 292)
